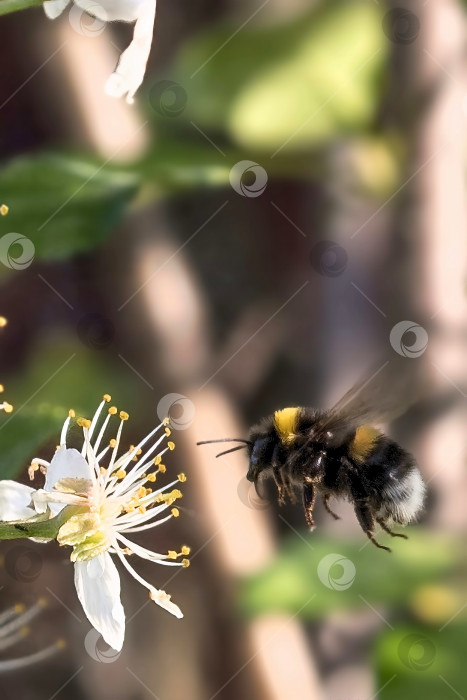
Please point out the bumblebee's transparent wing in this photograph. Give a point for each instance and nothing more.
(382, 395)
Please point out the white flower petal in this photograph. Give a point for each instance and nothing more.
(98, 586)
(54, 8)
(110, 10)
(132, 64)
(67, 463)
(15, 500)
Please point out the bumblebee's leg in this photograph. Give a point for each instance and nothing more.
(309, 498)
(290, 490)
(381, 522)
(280, 483)
(367, 522)
(326, 505)
(360, 500)
(279, 476)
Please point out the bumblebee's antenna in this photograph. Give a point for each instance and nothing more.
(232, 449)
(209, 442)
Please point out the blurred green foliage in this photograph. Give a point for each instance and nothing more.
(294, 580)
(324, 75)
(316, 79)
(62, 374)
(422, 661)
(65, 205)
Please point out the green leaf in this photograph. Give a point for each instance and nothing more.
(64, 205)
(306, 577)
(7, 6)
(321, 80)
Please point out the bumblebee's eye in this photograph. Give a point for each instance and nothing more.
(262, 452)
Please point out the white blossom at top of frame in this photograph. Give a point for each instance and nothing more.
(131, 67)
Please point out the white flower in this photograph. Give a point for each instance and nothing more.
(114, 501)
(130, 71)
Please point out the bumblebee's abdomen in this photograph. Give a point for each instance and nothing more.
(397, 487)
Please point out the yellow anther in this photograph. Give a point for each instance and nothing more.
(24, 631)
(182, 477)
(124, 415)
(175, 512)
(113, 410)
(113, 443)
(142, 510)
(186, 550)
(71, 413)
(151, 478)
(4, 210)
(148, 492)
(129, 509)
(140, 452)
(166, 421)
(19, 608)
(7, 407)
(107, 398)
(141, 492)
(103, 471)
(162, 468)
(171, 445)
(171, 554)
(127, 550)
(84, 422)
(168, 432)
(177, 494)
(157, 460)
(3, 321)
(43, 602)
(60, 644)
(2, 388)
(121, 474)
(185, 563)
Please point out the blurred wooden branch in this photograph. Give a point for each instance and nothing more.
(275, 649)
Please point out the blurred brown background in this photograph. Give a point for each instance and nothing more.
(286, 190)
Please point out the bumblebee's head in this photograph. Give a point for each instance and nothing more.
(260, 447)
(262, 442)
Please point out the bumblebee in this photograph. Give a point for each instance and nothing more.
(338, 453)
